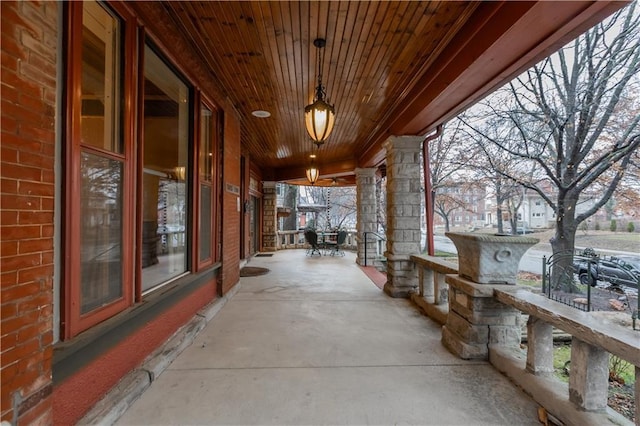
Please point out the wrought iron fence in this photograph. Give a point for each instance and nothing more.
(588, 281)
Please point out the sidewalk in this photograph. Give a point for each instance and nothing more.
(314, 341)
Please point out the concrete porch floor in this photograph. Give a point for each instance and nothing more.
(314, 341)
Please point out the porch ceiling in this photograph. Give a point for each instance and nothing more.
(390, 68)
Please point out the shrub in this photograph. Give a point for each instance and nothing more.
(631, 227)
(614, 225)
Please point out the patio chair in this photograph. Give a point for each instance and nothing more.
(335, 249)
(312, 240)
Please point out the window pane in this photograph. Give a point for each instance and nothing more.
(205, 222)
(166, 153)
(206, 152)
(100, 232)
(100, 78)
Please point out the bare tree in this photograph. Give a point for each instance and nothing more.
(445, 157)
(341, 207)
(569, 117)
(456, 197)
(446, 202)
(289, 200)
(496, 168)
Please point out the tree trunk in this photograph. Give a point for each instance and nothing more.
(291, 195)
(513, 221)
(499, 217)
(563, 242)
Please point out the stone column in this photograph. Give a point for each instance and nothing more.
(366, 213)
(269, 216)
(403, 213)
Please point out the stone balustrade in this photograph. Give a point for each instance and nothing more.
(295, 240)
(593, 339)
(482, 320)
(433, 291)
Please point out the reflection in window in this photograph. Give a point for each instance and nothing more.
(206, 189)
(100, 78)
(100, 232)
(101, 197)
(205, 222)
(164, 203)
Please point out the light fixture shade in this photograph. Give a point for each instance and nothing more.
(313, 174)
(319, 118)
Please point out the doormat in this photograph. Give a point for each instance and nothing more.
(264, 255)
(252, 271)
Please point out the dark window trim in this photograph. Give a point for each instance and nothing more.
(71, 356)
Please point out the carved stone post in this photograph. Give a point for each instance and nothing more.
(366, 213)
(403, 213)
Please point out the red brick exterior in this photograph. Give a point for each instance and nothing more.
(30, 35)
(75, 396)
(29, 39)
(230, 214)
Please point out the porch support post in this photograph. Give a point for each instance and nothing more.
(403, 213)
(366, 214)
(269, 216)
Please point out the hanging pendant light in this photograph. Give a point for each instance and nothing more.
(313, 173)
(319, 117)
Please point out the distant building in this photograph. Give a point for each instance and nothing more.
(471, 210)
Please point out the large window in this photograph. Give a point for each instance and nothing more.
(166, 168)
(135, 211)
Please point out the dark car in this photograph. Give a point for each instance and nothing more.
(617, 270)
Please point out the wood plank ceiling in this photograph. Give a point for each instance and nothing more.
(380, 58)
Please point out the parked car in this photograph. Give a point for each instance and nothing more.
(522, 230)
(617, 270)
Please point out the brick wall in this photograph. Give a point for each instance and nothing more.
(29, 38)
(230, 214)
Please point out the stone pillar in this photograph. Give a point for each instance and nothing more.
(588, 384)
(403, 213)
(366, 214)
(476, 320)
(269, 217)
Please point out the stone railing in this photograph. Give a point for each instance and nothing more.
(593, 339)
(290, 240)
(433, 292)
(483, 320)
(295, 240)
